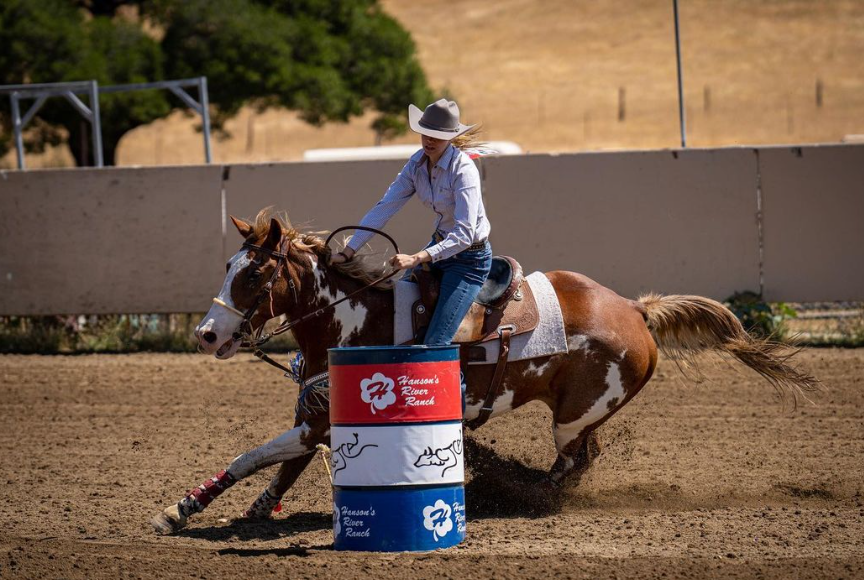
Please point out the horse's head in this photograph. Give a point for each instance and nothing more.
(295, 265)
(245, 288)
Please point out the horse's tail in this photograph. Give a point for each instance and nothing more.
(683, 326)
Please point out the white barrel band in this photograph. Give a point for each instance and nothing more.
(399, 454)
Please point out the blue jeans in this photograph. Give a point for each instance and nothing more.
(462, 278)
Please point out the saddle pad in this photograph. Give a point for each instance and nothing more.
(547, 339)
(405, 294)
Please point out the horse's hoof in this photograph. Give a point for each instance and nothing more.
(552, 483)
(255, 516)
(168, 521)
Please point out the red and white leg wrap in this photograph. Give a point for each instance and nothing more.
(200, 497)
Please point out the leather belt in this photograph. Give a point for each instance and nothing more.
(438, 237)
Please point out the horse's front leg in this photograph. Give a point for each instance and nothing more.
(297, 444)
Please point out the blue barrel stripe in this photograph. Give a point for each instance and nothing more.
(398, 519)
(382, 355)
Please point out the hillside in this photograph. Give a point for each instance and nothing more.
(551, 76)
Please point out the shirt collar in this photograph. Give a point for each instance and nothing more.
(444, 161)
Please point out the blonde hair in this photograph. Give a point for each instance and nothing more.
(469, 139)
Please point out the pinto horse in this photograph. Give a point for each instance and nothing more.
(612, 352)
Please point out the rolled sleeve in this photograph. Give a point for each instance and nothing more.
(399, 192)
(467, 197)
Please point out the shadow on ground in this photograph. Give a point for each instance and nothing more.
(274, 529)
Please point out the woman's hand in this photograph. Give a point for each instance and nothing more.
(403, 261)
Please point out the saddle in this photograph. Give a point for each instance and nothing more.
(503, 301)
(505, 307)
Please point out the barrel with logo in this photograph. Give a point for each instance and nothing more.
(396, 448)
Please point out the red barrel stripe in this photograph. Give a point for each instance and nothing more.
(395, 393)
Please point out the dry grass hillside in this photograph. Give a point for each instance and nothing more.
(565, 75)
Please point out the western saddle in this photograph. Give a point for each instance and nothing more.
(505, 307)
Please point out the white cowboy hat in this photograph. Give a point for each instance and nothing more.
(439, 120)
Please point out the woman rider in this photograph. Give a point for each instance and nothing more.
(446, 181)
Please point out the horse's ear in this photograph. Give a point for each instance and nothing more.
(274, 236)
(245, 228)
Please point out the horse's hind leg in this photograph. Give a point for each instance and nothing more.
(572, 461)
(575, 457)
(586, 396)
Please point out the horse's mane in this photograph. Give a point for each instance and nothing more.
(365, 266)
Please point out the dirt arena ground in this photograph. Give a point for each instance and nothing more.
(709, 480)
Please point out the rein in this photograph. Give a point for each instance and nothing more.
(249, 337)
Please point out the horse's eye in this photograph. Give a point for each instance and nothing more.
(254, 275)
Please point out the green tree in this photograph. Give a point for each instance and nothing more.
(328, 59)
(52, 41)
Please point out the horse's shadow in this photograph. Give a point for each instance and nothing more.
(505, 488)
(273, 529)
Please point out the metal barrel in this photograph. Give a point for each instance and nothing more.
(396, 448)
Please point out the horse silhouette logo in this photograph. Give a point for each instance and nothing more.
(339, 457)
(436, 519)
(446, 457)
(378, 392)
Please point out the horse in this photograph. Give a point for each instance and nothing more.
(612, 341)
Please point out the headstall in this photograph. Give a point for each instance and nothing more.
(253, 338)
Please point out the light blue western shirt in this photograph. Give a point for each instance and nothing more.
(452, 192)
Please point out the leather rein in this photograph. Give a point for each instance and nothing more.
(253, 338)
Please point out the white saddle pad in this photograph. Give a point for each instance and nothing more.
(545, 340)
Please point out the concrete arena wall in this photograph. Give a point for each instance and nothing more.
(154, 240)
(681, 222)
(96, 241)
(324, 196)
(813, 223)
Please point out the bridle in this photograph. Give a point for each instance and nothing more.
(253, 338)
